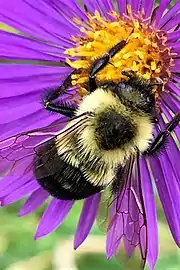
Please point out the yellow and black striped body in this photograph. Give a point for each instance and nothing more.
(82, 160)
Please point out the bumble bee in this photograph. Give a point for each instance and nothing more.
(112, 124)
(97, 150)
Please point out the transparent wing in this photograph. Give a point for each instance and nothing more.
(17, 153)
(122, 216)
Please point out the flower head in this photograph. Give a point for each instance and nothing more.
(55, 38)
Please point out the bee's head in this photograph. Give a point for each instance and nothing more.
(139, 95)
(139, 92)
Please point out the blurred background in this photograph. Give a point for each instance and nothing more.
(18, 250)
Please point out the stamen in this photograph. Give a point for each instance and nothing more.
(146, 51)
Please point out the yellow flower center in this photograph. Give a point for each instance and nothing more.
(146, 51)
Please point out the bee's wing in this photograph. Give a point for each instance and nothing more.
(18, 152)
(123, 217)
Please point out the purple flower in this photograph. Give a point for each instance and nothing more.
(50, 33)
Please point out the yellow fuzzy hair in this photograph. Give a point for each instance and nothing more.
(98, 102)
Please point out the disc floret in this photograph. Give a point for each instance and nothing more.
(146, 52)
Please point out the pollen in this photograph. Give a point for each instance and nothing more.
(145, 53)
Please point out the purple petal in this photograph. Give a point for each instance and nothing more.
(66, 13)
(87, 218)
(150, 209)
(169, 14)
(107, 5)
(147, 6)
(103, 6)
(36, 199)
(53, 217)
(171, 150)
(13, 46)
(21, 89)
(11, 183)
(174, 87)
(172, 23)
(177, 79)
(134, 5)
(18, 194)
(30, 122)
(122, 7)
(21, 79)
(171, 102)
(92, 6)
(175, 49)
(160, 10)
(38, 18)
(169, 193)
(75, 7)
(172, 37)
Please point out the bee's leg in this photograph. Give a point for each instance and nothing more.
(100, 63)
(62, 107)
(161, 138)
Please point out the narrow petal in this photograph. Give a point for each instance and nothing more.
(172, 23)
(92, 6)
(169, 193)
(102, 6)
(108, 4)
(172, 37)
(33, 121)
(171, 149)
(176, 78)
(38, 18)
(171, 102)
(150, 208)
(21, 79)
(53, 217)
(86, 220)
(36, 199)
(14, 46)
(169, 14)
(147, 6)
(134, 5)
(173, 87)
(77, 9)
(160, 10)
(66, 13)
(122, 7)
(11, 183)
(22, 87)
(18, 194)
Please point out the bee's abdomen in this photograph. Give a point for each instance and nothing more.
(60, 179)
(113, 130)
(68, 184)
